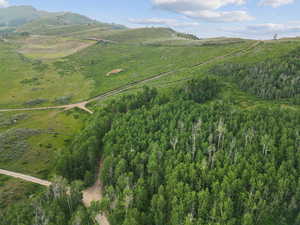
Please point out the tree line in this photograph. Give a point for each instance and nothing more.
(61, 204)
(183, 157)
(277, 78)
(172, 159)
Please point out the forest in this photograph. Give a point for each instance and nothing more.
(273, 79)
(59, 205)
(183, 157)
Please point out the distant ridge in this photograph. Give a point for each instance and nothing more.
(27, 18)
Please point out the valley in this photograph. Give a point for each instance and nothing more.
(188, 131)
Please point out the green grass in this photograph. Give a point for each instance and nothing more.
(137, 61)
(56, 131)
(268, 50)
(23, 79)
(41, 27)
(231, 92)
(50, 47)
(49, 69)
(83, 74)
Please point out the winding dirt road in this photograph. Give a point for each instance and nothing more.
(83, 105)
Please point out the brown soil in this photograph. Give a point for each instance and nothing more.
(116, 71)
(94, 193)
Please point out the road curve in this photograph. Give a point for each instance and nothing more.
(26, 178)
(82, 105)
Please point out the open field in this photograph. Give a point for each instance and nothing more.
(25, 81)
(34, 140)
(48, 47)
(31, 82)
(138, 62)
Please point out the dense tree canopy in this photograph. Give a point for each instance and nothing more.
(170, 160)
(59, 205)
(183, 163)
(182, 158)
(271, 79)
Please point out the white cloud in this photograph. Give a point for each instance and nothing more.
(274, 28)
(4, 3)
(276, 3)
(182, 5)
(207, 10)
(267, 30)
(217, 16)
(163, 21)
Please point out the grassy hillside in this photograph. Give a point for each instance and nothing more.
(149, 142)
(29, 143)
(142, 34)
(24, 81)
(136, 61)
(30, 20)
(84, 74)
(50, 47)
(64, 23)
(18, 15)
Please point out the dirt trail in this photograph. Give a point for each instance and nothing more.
(91, 194)
(26, 177)
(83, 105)
(80, 105)
(94, 193)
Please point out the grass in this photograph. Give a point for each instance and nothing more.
(50, 68)
(49, 47)
(23, 80)
(83, 74)
(268, 50)
(80, 76)
(38, 158)
(137, 61)
(231, 92)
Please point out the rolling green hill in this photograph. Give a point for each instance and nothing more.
(29, 19)
(60, 23)
(16, 16)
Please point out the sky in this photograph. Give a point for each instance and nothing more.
(258, 19)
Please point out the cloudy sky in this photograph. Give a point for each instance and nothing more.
(259, 19)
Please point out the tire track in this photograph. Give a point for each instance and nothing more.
(83, 105)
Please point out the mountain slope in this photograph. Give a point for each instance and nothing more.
(29, 19)
(19, 15)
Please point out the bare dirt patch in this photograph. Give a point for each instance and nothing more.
(44, 47)
(116, 71)
(94, 193)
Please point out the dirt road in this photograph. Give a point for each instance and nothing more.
(83, 105)
(26, 177)
(91, 194)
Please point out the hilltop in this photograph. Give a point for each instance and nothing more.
(29, 19)
(15, 16)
